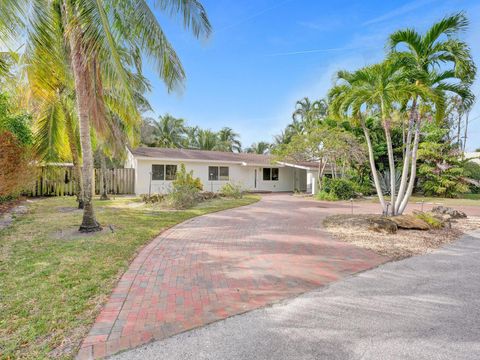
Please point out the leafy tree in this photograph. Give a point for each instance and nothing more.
(261, 147)
(16, 124)
(229, 140)
(414, 82)
(169, 132)
(98, 33)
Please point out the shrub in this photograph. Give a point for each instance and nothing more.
(472, 171)
(17, 173)
(185, 191)
(184, 178)
(153, 198)
(232, 190)
(342, 189)
(326, 196)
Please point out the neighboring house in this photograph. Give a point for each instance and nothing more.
(475, 156)
(155, 169)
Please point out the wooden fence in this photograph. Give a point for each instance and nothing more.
(60, 181)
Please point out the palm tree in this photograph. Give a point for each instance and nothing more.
(432, 59)
(206, 140)
(229, 140)
(96, 34)
(262, 147)
(308, 114)
(169, 132)
(377, 91)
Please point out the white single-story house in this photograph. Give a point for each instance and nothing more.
(155, 169)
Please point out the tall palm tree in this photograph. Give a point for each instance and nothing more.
(229, 140)
(308, 114)
(262, 147)
(169, 132)
(206, 140)
(96, 33)
(436, 59)
(373, 91)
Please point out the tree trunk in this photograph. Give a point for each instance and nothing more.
(77, 170)
(407, 156)
(79, 67)
(391, 165)
(373, 167)
(104, 177)
(413, 171)
(466, 134)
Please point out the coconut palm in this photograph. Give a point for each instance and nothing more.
(169, 132)
(436, 59)
(97, 33)
(229, 140)
(308, 114)
(262, 147)
(206, 140)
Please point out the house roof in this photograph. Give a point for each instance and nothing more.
(216, 156)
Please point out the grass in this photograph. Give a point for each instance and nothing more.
(53, 281)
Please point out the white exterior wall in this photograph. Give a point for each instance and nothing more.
(238, 174)
(475, 156)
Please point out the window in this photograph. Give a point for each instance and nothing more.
(158, 172)
(270, 174)
(164, 172)
(275, 174)
(224, 173)
(267, 174)
(218, 173)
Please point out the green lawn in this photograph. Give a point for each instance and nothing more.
(53, 281)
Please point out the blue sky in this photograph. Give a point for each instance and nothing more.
(266, 54)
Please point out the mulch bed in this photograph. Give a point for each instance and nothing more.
(405, 243)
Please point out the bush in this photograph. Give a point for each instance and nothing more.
(186, 189)
(326, 196)
(472, 171)
(153, 198)
(341, 189)
(184, 178)
(232, 190)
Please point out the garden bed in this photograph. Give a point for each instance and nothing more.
(402, 244)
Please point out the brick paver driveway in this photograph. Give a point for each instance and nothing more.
(222, 264)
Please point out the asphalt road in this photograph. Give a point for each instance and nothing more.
(425, 307)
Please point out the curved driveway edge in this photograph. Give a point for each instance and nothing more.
(423, 307)
(222, 264)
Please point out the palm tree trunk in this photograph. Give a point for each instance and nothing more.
(79, 67)
(373, 167)
(413, 171)
(77, 170)
(104, 176)
(407, 156)
(391, 165)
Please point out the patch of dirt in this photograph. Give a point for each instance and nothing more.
(405, 243)
(68, 209)
(73, 233)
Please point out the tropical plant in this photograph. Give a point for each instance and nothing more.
(232, 190)
(96, 34)
(169, 132)
(308, 114)
(205, 139)
(185, 190)
(229, 140)
(414, 82)
(262, 147)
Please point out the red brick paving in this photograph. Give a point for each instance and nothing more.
(223, 264)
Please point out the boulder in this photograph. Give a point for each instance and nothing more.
(383, 225)
(409, 222)
(454, 214)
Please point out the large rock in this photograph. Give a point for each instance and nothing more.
(409, 222)
(454, 214)
(383, 225)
